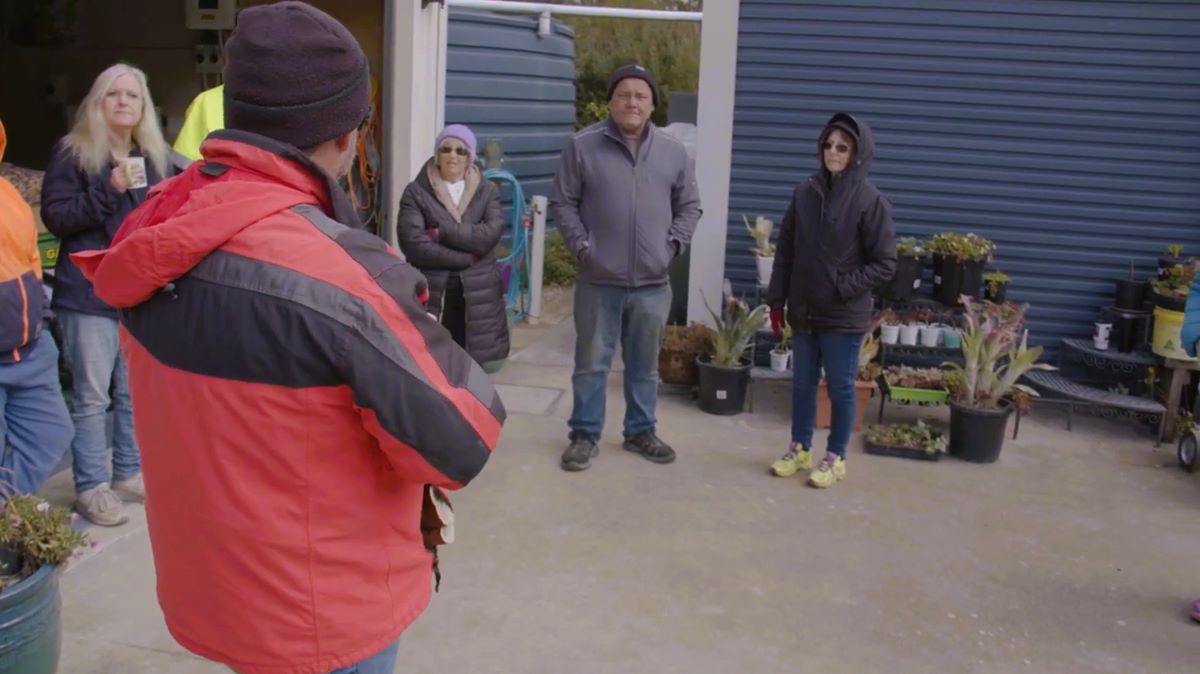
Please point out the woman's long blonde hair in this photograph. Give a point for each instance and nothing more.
(89, 141)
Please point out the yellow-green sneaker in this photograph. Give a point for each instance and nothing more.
(797, 459)
(828, 473)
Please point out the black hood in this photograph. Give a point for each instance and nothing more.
(864, 141)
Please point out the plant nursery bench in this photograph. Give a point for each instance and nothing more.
(1058, 390)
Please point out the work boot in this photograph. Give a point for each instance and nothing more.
(130, 489)
(649, 446)
(580, 452)
(101, 506)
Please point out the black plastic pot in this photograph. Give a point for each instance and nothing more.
(1130, 295)
(977, 435)
(998, 295)
(723, 389)
(1169, 302)
(953, 277)
(31, 613)
(907, 279)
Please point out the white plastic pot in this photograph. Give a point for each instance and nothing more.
(931, 335)
(910, 333)
(889, 334)
(780, 361)
(765, 265)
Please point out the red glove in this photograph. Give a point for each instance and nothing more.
(777, 321)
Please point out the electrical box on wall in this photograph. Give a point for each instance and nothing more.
(211, 14)
(209, 59)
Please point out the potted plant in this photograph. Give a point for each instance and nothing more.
(1170, 299)
(922, 386)
(958, 261)
(781, 355)
(1170, 292)
(677, 357)
(763, 249)
(909, 441)
(995, 286)
(996, 355)
(1173, 258)
(35, 539)
(725, 371)
(910, 263)
(889, 331)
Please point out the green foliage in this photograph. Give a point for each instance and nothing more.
(909, 247)
(694, 339)
(671, 49)
(914, 436)
(559, 268)
(1175, 249)
(760, 231)
(38, 533)
(996, 354)
(736, 325)
(961, 246)
(1177, 283)
(785, 339)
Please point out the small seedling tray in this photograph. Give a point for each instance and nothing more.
(901, 452)
(915, 396)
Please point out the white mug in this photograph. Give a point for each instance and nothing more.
(1100, 335)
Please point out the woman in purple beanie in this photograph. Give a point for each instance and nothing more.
(450, 224)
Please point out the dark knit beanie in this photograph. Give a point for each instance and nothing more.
(641, 72)
(294, 74)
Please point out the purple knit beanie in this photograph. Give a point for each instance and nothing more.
(461, 132)
(295, 74)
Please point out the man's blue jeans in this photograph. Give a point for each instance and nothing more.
(35, 429)
(635, 317)
(383, 662)
(838, 353)
(93, 355)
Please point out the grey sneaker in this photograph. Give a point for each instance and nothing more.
(651, 447)
(101, 506)
(580, 452)
(130, 489)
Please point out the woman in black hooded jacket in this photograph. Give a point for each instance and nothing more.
(836, 245)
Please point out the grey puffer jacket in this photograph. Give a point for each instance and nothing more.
(439, 239)
(836, 245)
(625, 217)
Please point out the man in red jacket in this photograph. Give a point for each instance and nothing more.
(292, 396)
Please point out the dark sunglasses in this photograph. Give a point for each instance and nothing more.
(841, 148)
(460, 151)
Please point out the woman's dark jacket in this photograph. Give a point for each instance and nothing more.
(836, 245)
(84, 211)
(439, 240)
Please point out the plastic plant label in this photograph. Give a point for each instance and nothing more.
(917, 284)
(722, 395)
(937, 280)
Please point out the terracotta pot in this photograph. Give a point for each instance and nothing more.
(862, 395)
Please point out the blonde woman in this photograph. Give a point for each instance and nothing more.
(97, 174)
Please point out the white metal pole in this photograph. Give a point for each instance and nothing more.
(575, 10)
(718, 76)
(537, 252)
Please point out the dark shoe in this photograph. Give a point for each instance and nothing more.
(580, 452)
(648, 445)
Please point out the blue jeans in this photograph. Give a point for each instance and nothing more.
(97, 367)
(838, 354)
(635, 316)
(34, 425)
(383, 662)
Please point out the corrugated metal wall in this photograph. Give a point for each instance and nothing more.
(506, 82)
(1068, 132)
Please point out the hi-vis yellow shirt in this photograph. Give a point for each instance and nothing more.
(205, 115)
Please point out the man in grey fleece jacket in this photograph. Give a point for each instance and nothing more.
(626, 201)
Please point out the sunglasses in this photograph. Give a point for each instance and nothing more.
(460, 151)
(841, 148)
